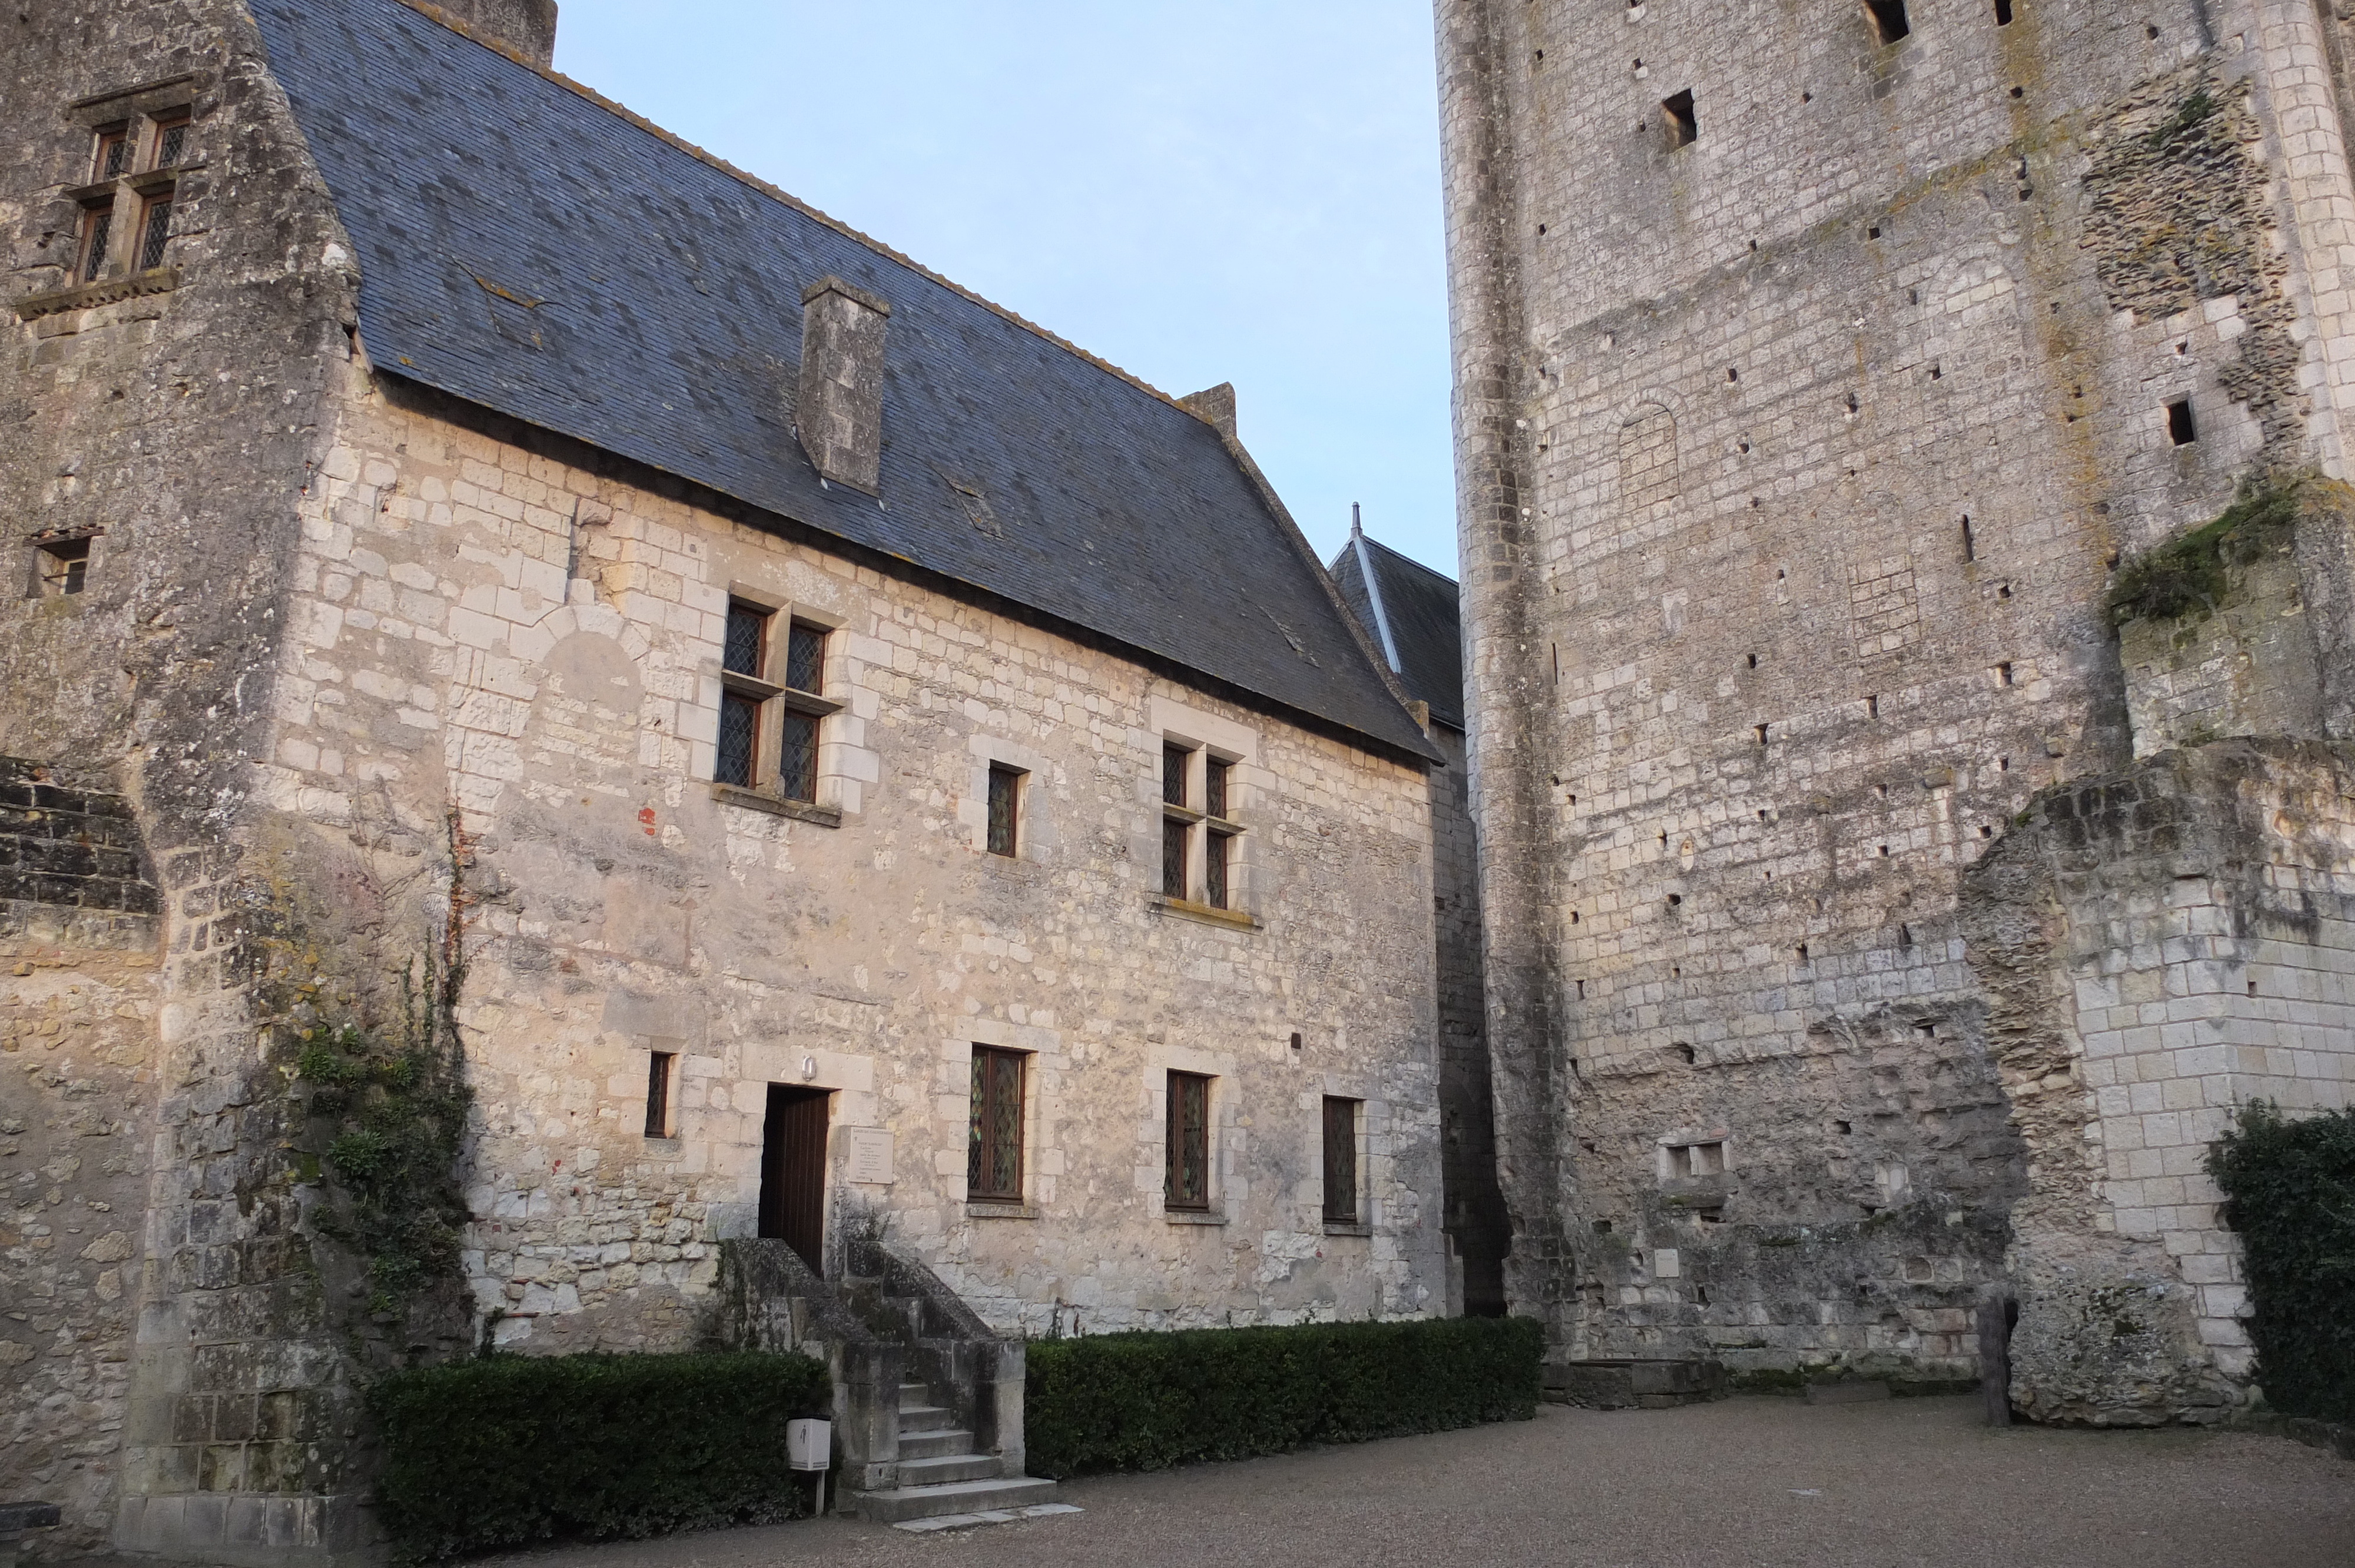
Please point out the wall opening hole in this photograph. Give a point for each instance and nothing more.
(2017, 92)
(1872, 707)
(2003, 12)
(1762, 814)
(1754, 660)
(1852, 404)
(1873, 232)
(2252, 988)
(1762, 735)
(2182, 349)
(1731, 373)
(2003, 674)
(2004, 591)
(1675, 899)
(65, 566)
(1677, 119)
(2003, 765)
(1541, 228)
(1842, 1128)
(1684, 1053)
(1985, 830)
(1882, 790)
(1574, 916)
(1295, 1039)
(1970, 544)
(1888, 19)
(1603, 1227)
(1926, 1027)
(2150, 32)
(1904, 935)
(2180, 429)
(1803, 953)
(1884, 851)
(1581, 990)
(1700, 1293)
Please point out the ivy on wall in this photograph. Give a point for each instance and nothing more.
(2289, 1192)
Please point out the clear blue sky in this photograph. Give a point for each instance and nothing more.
(1217, 190)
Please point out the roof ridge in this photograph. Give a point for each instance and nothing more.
(1410, 560)
(427, 8)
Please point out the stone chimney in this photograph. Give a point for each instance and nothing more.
(840, 409)
(1214, 405)
(525, 27)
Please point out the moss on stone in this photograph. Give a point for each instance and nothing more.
(2189, 573)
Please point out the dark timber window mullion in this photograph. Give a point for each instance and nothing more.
(1004, 810)
(1188, 1181)
(659, 1068)
(993, 1171)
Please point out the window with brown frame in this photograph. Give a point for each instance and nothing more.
(661, 1068)
(1004, 810)
(170, 141)
(805, 677)
(1218, 846)
(1187, 1185)
(154, 232)
(96, 235)
(745, 693)
(992, 1169)
(111, 158)
(1340, 1160)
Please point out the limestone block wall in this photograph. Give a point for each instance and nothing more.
(1476, 1210)
(2163, 945)
(1795, 460)
(492, 621)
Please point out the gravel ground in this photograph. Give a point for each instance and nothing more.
(1741, 1484)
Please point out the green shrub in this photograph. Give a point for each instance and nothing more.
(510, 1449)
(2189, 574)
(1142, 1402)
(2289, 1190)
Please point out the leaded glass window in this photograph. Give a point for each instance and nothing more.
(1173, 858)
(158, 233)
(1214, 786)
(114, 153)
(797, 756)
(739, 736)
(1173, 774)
(98, 232)
(1216, 849)
(171, 143)
(806, 659)
(992, 1171)
(747, 635)
(1188, 1180)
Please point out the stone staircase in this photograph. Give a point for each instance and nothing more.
(940, 1472)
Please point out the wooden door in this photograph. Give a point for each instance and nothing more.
(793, 1171)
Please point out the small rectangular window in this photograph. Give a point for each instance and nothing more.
(97, 235)
(806, 658)
(1677, 118)
(65, 567)
(1340, 1160)
(797, 756)
(1173, 774)
(1214, 786)
(171, 142)
(993, 1171)
(2180, 429)
(745, 651)
(1695, 1158)
(1888, 22)
(1005, 808)
(154, 232)
(1188, 1181)
(660, 1066)
(1173, 845)
(114, 155)
(1218, 849)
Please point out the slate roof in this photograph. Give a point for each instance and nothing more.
(1425, 623)
(530, 248)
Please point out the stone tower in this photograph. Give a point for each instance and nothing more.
(1888, 892)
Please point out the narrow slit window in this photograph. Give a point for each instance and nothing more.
(1888, 22)
(1677, 120)
(1340, 1162)
(993, 1151)
(661, 1066)
(2180, 429)
(65, 567)
(1970, 541)
(1004, 810)
(154, 232)
(97, 235)
(1187, 1185)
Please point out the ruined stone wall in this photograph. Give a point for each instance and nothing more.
(1819, 435)
(2161, 945)
(77, 1002)
(500, 622)
(170, 417)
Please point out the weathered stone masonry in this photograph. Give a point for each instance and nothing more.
(1794, 459)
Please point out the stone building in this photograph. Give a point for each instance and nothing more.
(1890, 884)
(1410, 615)
(843, 767)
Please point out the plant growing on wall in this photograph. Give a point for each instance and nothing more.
(2189, 574)
(2289, 1191)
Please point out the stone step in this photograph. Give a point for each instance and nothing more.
(941, 1440)
(898, 1503)
(924, 1417)
(936, 1469)
(914, 1392)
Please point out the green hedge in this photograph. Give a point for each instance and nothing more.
(510, 1449)
(2289, 1190)
(1141, 1402)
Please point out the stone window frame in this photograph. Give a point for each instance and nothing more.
(1682, 1144)
(775, 697)
(1036, 833)
(1351, 1220)
(1206, 739)
(1025, 1074)
(142, 116)
(1153, 1164)
(1042, 1154)
(53, 555)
